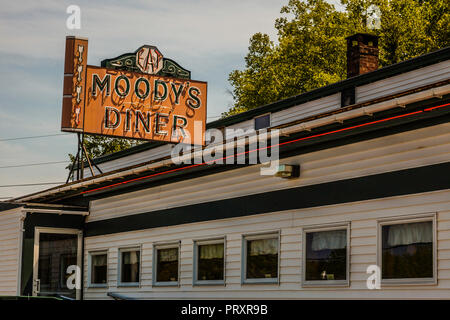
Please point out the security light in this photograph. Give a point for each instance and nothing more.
(288, 171)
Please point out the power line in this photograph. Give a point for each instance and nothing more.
(29, 184)
(33, 164)
(33, 137)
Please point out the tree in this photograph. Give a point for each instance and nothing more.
(311, 49)
(98, 146)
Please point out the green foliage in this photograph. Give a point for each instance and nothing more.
(311, 49)
(98, 146)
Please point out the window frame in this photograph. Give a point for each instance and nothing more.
(260, 116)
(165, 245)
(329, 283)
(259, 236)
(196, 243)
(93, 253)
(405, 220)
(119, 266)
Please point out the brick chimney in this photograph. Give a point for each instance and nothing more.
(362, 54)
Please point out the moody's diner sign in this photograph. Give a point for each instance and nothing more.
(140, 95)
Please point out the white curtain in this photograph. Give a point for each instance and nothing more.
(99, 260)
(336, 239)
(409, 233)
(167, 255)
(131, 257)
(263, 246)
(211, 251)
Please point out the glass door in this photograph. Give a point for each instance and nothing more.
(57, 260)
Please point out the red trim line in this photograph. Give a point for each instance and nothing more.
(268, 147)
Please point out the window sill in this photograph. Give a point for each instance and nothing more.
(261, 281)
(408, 282)
(133, 284)
(209, 283)
(166, 284)
(326, 284)
(97, 286)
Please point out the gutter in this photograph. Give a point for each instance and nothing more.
(59, 212)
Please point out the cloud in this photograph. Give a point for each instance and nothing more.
(192, 28)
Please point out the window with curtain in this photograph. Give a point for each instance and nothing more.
(130, 266)
(210, 261)
(262, 258)
(407, 250)
(326, 255)
(99, 268)
(167, 264)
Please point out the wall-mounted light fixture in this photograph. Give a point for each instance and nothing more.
(287, 171)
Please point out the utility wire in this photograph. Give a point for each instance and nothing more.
(28, 184)
(34, 164)
(33, 137)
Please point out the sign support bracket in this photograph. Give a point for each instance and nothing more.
(78, 162)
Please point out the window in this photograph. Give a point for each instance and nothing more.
(261, 259)
(325, 257)
(98, 268)
(166, 264)
(408, 250)
(209, 263)
(130, 264)
(262, 122)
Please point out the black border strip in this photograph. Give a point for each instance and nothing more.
(403, 182)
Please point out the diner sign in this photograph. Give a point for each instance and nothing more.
(140, 95)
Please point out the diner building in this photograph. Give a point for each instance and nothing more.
(358, 208)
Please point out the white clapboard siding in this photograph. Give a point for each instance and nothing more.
(363, 217)
(304, 110)
(9, 251)
(405, 81)
(405, 150)
(239, 129)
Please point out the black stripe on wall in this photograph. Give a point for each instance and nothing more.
(403, 182)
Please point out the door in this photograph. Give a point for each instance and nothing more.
(57, 257)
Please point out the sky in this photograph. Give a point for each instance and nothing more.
(208, 37)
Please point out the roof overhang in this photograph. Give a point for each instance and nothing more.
(307, 129)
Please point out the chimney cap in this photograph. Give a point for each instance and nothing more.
(368, 36)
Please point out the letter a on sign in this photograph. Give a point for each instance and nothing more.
(149, 60)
